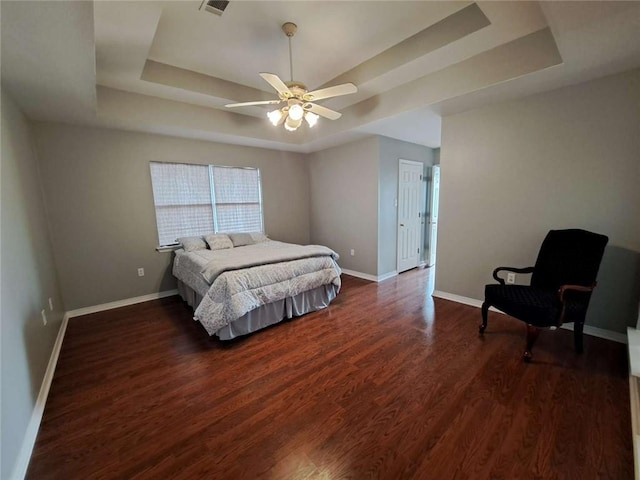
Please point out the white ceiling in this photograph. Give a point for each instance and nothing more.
(168, 68)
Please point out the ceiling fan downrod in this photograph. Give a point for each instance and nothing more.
(289, 30)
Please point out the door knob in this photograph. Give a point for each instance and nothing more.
(402, 224)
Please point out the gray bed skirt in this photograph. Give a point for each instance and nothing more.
(269, 314)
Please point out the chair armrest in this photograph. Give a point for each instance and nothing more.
(563, 290)
(573, 288)
(510, 269)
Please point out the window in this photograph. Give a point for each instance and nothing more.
(237, 205)
(193, 200)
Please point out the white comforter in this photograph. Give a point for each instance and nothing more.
(235, 289)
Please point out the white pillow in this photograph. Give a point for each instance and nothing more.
(218, 241)
(191, 244)
(241, 239)
(258, 237)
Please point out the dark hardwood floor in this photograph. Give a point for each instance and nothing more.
(385, 383)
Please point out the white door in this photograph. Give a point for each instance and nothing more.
(409, 214)
(433, 214)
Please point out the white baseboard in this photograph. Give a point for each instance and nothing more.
(120, 303)
(588, 329)
(460, 299)
(600, 332)
(24, 456)
(387, 275)
(371, 278)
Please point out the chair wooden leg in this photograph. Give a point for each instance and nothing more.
(532, 336)
(485, 312)
(578, 327)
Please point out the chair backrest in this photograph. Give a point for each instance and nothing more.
(568, 257)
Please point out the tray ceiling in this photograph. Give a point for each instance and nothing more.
(168, 67)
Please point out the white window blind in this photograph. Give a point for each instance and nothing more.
(237, 199)
(193, 200)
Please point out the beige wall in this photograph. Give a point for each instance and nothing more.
(344, 199)
(28, 279)
(353, 192)
(561, 159)
(98, 192)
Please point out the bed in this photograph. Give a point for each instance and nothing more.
(237, 288)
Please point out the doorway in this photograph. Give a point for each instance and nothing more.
(410, 203)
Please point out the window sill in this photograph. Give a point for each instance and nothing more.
(168, 248)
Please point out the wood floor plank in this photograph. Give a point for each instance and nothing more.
(385, 383)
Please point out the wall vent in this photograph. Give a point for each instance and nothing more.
(214, 6)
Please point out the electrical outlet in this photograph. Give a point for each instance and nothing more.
(44, 317)
(50, 304)
(352, 252)
(511, 278)
(141, 272)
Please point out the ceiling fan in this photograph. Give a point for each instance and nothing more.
(296, 96)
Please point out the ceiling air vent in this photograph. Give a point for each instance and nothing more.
(213, 6)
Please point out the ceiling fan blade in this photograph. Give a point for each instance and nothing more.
(247, 104)
(278, 84)
(336, 91)
(322, 111)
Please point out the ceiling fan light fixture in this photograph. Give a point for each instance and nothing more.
(311, 118)
(296, 112)
(292, 125)
(275, 117)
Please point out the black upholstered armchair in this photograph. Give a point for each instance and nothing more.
(561, 284)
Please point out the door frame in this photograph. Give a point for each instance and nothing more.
(430, 251)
